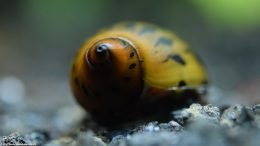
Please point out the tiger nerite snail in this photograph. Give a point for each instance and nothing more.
(133, 70)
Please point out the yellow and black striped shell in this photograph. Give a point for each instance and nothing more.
(133, 70)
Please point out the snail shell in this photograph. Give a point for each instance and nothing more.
(133, 70)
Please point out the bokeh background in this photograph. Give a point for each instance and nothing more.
(38, 40)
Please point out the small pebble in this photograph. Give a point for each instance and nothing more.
(14, 139)
(233, 116)
(197, 112)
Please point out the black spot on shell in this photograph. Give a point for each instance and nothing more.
(177, 58)
(132, 54)
(132, 66)
(164, 41)
(182, 83)
(84, 89)
(147, 29)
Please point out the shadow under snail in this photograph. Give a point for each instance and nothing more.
(134, 70)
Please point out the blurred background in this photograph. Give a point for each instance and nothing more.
(38, 40)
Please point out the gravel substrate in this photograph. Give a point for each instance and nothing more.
(197, 125)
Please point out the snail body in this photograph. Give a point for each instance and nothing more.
(133, 70)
